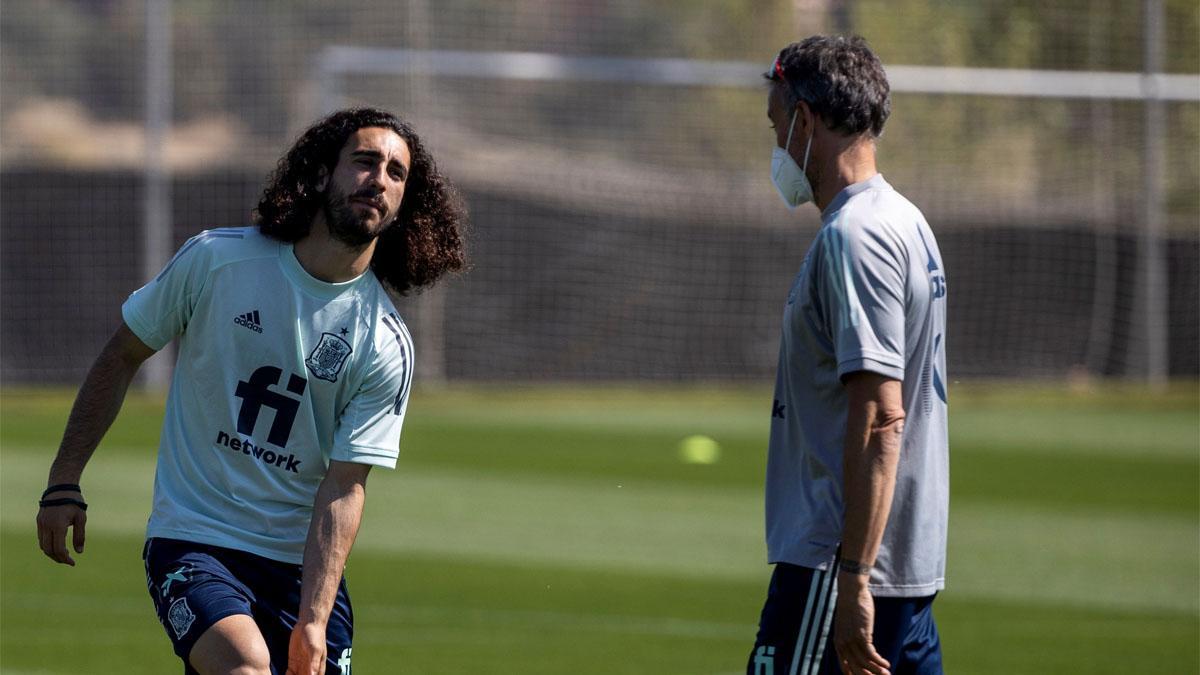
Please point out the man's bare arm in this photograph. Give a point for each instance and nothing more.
(874, 428)
(337, 512)
(95, 408)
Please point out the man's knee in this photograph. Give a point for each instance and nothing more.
(244, 668)
(251, 662)
(232, 645)
(251, 670)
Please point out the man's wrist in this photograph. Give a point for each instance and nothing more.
(311, 620)
(48, 498)
(854, 567)
(61, 487)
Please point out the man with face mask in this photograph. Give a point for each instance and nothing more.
(857, 473)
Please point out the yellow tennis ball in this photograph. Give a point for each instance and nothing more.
(699, 450)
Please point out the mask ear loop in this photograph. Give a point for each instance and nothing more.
(807, 148)
(791, 128)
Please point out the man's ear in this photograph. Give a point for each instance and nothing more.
(322, 179)
(805, 119)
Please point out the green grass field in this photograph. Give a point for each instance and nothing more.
(554, 530)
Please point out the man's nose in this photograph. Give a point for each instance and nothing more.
(375, 178)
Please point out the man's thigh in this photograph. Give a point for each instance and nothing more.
(276, 615)
(194, 586)
(192, 590)
(795, 628)
(906, 635)
(795, 634)
(233, 644)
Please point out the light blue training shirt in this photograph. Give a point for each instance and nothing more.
(278, 373)
(870, 295)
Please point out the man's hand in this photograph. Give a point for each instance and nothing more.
(52, 524)
(854, 623)
(306, 650)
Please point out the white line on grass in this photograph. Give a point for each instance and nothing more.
(380, 616)
(1005, 552)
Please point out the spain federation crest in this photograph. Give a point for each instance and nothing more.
(328, 357)
(181, 617)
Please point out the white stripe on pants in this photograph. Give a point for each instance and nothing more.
(814, 628)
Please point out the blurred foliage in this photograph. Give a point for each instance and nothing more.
(224, 51)
(1091, 35)
(1104, 35)
(256, 60)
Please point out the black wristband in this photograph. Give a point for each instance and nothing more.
(854, 567)
(62, 501)
(62, 487)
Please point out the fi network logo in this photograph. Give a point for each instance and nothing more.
(256, 394)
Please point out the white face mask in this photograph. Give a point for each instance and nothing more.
(789, 179)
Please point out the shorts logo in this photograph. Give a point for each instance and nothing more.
(181, 617)
(764, 661)
(328, 357)
(343, 662)
(172, 577)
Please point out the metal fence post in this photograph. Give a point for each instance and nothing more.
(1153, 292)
(156, 215)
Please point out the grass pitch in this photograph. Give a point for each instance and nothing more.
(555, 530)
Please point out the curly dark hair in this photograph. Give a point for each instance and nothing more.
(425, 241)
(840, 79)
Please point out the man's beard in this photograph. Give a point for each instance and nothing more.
(346, 226)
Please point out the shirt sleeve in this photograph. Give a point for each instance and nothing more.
(160, 310)
(861, 285)
(368, 430)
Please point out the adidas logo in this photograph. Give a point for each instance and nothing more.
(249, 320)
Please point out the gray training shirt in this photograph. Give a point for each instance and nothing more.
(871, 295)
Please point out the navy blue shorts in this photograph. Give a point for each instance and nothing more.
(196, 585)
(795, 632)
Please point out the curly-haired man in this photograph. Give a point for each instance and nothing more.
(857, 470)
(292, 381)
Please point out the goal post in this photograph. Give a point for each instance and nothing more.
(336, 62)
(1095, 326)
